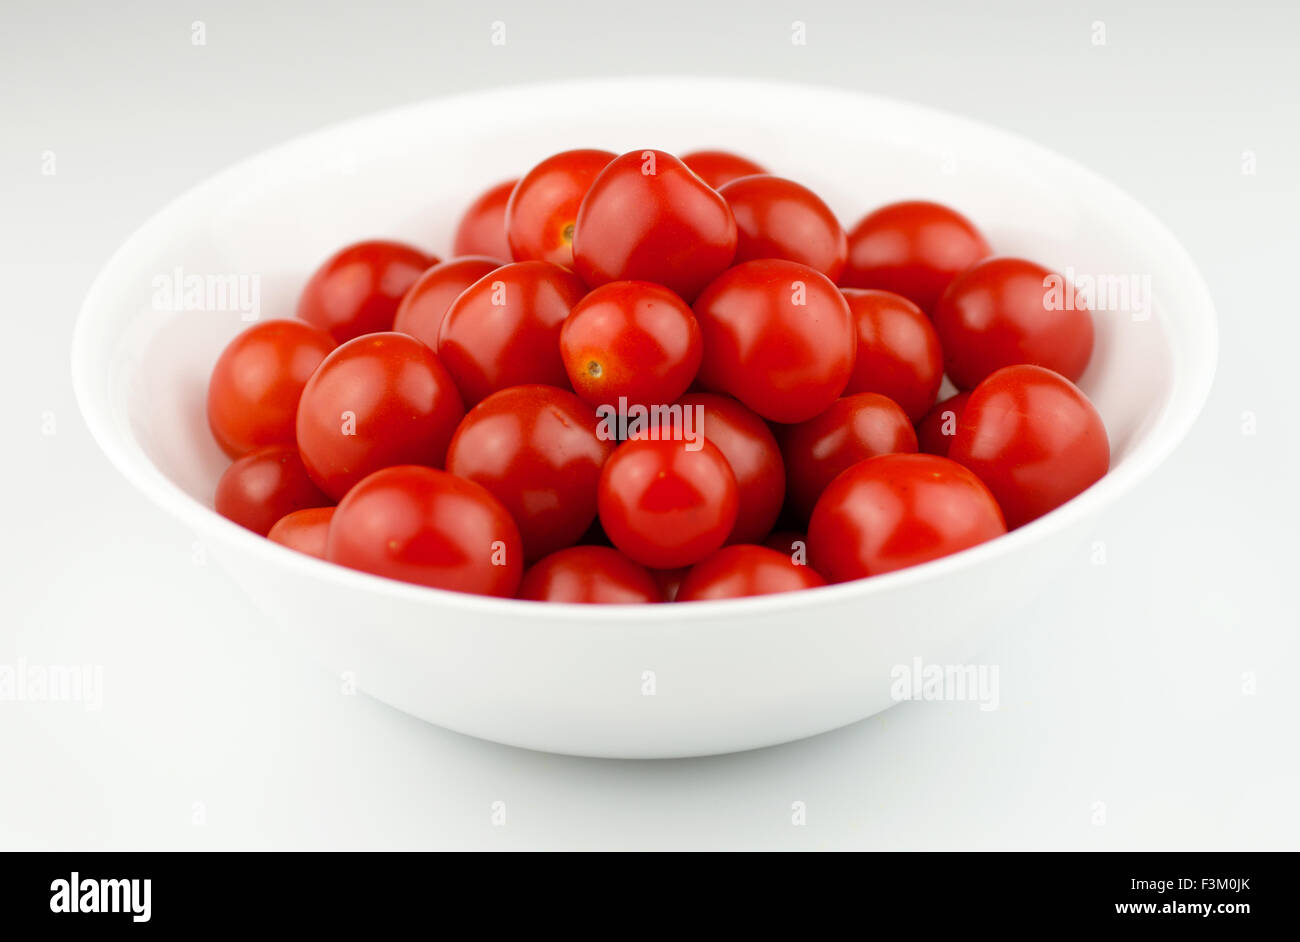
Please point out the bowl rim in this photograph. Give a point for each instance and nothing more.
(1188, 391)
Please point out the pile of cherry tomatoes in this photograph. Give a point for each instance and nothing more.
(641, 378)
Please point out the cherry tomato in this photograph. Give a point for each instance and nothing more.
(912, 248)
(935, 432)
(543, 208)
(898, 351)
(1005, 311)
(1033, 438)
(742, 570)
(429, 527)
(263, 486)
(631, 339)
(357, 289)
(755, 459)
(504, 330)
(304, 530)
(647, 217)
(589, 574)
(536, 449)
(719, 167)
(894, 511)
(853, 428)
(482, 230)
(424, 306)
(257, 381)
(379, 400)
(778, 336)
(665, 505)
(778, 218)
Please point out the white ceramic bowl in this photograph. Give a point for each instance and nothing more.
(725, 675)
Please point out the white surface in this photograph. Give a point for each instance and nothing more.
(573, 679)
(1125, 686)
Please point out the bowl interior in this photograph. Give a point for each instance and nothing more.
(241, 246)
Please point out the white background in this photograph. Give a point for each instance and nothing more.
(1127, 715)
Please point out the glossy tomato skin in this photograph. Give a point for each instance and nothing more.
(257, 381)
(899, 355)
(357, 289)
(425, 305)
(853, 429)
(504, 330)
(755, 459)
(719, 167)
(594, 575)
(543, 209)
(664, 505)
(913, 248)
(306, 531)
(379, 400)
(426, 526)
(1005, 311)
(778, 218)
(536, 448)
(647, 217)
(482, 229)
(896, 511)
(935, 432)
(1034, 438)
(631, 339)
(778, 336)
(263, 486)
(743, 570)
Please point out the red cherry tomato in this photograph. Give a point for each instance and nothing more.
(1033, 438)
(934, 433)
(749, 447)
(631, 339)
(378, 400)
(263, 486)
(853, 428)
(755, 459)
(257, 381)
(665, 505)
(1005, 311)
(898, 351)
(482, 230)
(742, 570)
(543, 208)
(537, 450)
(429, 527)
(895, 511)
(589, 574)
(647, 217)
(719, 167)
(356, 291)
(504, 330)
(424, 306)
(778, 336)
(778, 218)
(913, 249)
(304, 530)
